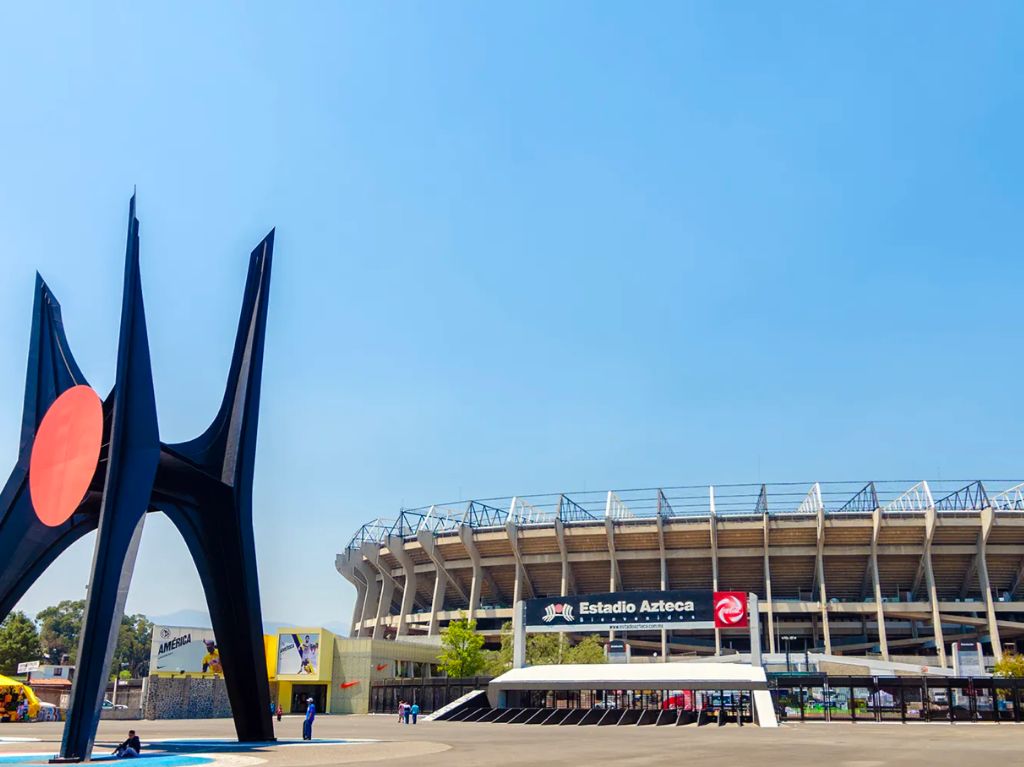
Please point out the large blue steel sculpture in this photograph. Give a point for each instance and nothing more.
(123, 470)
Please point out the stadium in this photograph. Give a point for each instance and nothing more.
(897, 570)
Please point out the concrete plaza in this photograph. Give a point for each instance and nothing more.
(454, 744)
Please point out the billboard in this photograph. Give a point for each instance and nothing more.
(623, 611)
(184, 649)
(298, 654)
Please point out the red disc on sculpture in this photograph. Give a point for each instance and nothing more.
(64, 454)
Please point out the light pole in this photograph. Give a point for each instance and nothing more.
(117, 677)
(787, 639)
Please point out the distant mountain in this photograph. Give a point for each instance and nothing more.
(337, 627)
(201, 619)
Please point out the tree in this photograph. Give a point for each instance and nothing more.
(544, 649)
(587, 650)
(60, 626)
(499, 661)
(19, 641)
(461, 649)
(1010, 666)
(133, 642)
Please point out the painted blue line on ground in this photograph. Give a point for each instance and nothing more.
(152, 760)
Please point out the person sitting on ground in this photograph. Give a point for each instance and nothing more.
(131, 748)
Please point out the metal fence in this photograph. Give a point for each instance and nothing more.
(430, 693)
(820, 697)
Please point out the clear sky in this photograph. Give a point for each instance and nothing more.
(543, 247)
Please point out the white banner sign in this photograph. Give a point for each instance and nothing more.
(181, 649)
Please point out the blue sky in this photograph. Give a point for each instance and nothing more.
(526, 248)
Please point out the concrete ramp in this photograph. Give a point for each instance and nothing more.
(470, 700)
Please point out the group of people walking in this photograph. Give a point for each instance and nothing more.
(407, 711)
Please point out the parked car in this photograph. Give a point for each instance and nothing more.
(109, 706)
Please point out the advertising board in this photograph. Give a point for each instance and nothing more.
(184, 650)
(298, 654)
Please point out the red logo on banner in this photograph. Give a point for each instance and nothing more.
(731, 610)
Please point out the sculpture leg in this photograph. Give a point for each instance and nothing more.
(108, 590)
(225, 556)
(132, 458)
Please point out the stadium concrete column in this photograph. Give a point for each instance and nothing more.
(713, 538)
(613, 570)
(371, 552)
(768, 589)
(987, 520)
(522, 576)
(343, 564)
(883, 642)
(372, 597)
(396, 546)
(614, 579)
(466, 536)
(1018, 579)
(568, 584)
(929, 577)
(437, 602)
(819, 568)
(480, 574)
(387, 592)
(442, 578)
(664, 582)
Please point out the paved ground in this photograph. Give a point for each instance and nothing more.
(436, 744)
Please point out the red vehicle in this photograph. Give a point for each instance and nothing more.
(679, 699)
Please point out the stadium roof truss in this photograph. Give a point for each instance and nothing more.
(696, 502)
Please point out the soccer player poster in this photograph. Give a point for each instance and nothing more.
(298, 654)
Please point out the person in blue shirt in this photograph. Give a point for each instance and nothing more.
(415, 711)
(307, 723)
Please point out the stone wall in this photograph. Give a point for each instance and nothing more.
(186, 698)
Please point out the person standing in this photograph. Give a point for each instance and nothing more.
(408, 712)
(307, 723)
(415, 710)
(401, 711)
(279, 712)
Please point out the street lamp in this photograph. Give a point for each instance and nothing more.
(787, 639)
(117, 678)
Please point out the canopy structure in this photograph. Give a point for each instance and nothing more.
(642, 676)
(11, 693)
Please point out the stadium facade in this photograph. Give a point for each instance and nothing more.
(898, 570)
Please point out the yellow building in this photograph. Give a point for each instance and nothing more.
(310, 662)
(303, 662)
